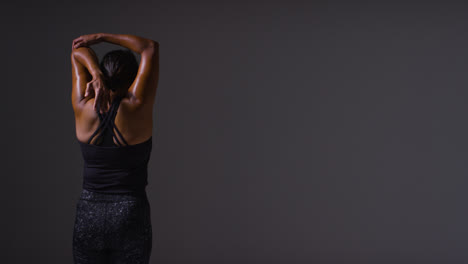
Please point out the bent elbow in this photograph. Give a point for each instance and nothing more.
(152, 47)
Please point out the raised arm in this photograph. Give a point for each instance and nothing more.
(143, 88)
(84, 69)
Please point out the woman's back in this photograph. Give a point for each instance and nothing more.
(135, 124)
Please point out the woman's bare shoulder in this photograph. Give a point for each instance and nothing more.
(132, 105)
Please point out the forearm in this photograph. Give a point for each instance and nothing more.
(87, 57)
(132, 42)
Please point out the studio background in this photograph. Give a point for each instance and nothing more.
(284, 132)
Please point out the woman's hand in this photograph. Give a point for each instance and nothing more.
(101, 94)
(86, 40)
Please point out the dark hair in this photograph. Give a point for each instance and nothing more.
(120, 68)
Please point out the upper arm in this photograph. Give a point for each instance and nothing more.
(80, 77)
(145, 84)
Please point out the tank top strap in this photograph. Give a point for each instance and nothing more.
(118, 132)
(102, 124)
(118, 99)
(107, 125)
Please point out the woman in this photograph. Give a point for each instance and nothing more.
(113, 105)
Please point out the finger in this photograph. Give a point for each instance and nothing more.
(87, 90)
(79, 43)
(78, 39)
(91, 87)
(75, 41)
(94, 105)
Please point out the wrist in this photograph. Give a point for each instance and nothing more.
(102, 36)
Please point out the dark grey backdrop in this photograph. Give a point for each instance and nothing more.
(285, 132)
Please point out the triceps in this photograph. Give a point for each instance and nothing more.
(87, 57)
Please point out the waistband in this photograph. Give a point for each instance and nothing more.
(112, 197)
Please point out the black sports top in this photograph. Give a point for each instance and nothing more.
(111, 168)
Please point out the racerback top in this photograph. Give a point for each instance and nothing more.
(111, 168)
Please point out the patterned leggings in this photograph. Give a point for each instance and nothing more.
(112, 228)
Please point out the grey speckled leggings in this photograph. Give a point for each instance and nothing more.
(112, 228)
